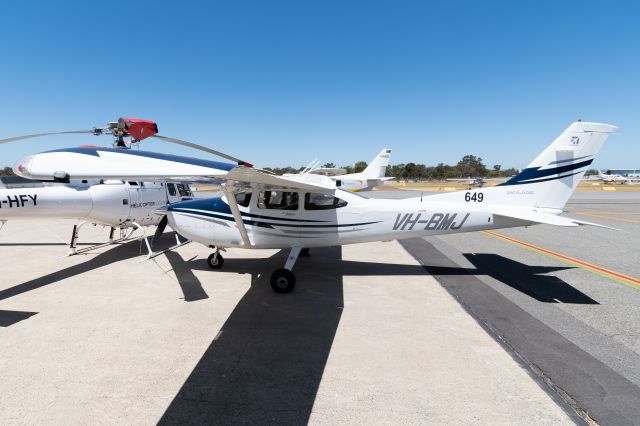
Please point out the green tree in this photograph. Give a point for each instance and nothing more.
(470, 165)
(359, 166)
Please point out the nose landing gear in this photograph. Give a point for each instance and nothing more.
(215, 260)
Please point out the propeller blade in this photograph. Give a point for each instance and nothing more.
(37, 135)
(159, 230)
(202, 148)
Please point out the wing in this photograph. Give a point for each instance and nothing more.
(250, 176)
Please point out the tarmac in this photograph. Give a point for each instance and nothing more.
(469, 328)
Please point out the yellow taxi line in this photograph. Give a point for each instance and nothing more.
(607, 273)
(604, 216)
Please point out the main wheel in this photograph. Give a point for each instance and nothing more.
(305, 252)
(215, 262)
(283, 281)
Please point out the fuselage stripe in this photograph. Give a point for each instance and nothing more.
(268, 224)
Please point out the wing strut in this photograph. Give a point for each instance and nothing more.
(233, 204)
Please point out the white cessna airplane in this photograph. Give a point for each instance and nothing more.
(612, 178)
(259, 210)
(372, 175)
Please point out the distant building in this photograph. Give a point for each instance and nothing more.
(629, 173)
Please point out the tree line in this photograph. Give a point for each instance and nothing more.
(468, 166)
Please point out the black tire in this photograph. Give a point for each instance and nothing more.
(217, 264)
(283, 281)
(305, 252)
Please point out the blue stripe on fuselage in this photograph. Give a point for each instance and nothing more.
(216, 208)
(148, 154)
(177, 209)
(217, 205)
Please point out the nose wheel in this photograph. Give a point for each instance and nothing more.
(215, 260)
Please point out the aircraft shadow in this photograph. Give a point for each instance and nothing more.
(8, 318)
(301, 269)
(519, 276)
(31, 244)
(116, 254)
(266, 363)
(189, 283)
(44, 244)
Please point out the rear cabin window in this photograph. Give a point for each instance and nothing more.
(314, 201)
(183, 190)
(243, 199)
(172, 189)
(278, 200)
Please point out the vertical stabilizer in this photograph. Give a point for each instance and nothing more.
(551, 178)
(378, 167)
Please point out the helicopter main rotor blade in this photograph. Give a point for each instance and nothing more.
(37, 135)
(202, 148)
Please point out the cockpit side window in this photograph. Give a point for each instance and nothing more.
(172, 189)
(243, 198)
(278, 200)
(315, 201)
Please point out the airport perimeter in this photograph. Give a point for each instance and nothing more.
(535, 325)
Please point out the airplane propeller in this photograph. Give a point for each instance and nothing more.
(136, 129)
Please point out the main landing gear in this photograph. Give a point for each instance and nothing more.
(282, 280)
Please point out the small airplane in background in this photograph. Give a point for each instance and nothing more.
(365, 180)
(262, 211)
(612, 178)
(478, 182)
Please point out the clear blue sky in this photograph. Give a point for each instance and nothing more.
(284, 82)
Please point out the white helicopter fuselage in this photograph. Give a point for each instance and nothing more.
(114, 203)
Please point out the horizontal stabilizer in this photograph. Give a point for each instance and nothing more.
(544, 218)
